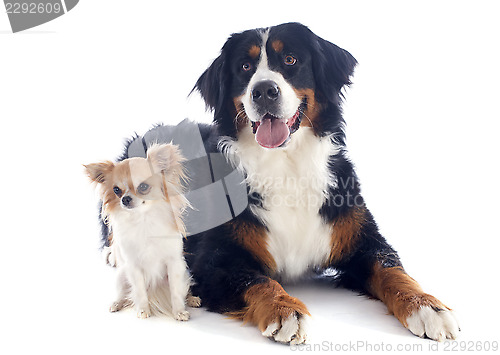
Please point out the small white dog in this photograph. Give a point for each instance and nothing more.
(143, 205)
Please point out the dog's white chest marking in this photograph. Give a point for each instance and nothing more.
(293, 183)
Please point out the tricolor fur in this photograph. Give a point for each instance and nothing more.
(276, 94)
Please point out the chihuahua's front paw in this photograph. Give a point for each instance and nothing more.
(193, 301)
(182, 316)
(143, 313)
(119, 305)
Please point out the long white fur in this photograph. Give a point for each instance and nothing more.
(148, 238)
(150, 251)
(293, 182)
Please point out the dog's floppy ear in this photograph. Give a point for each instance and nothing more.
(333, 68)
(98, 171)
(213, 84)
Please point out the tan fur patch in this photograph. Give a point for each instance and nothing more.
(253, 238)
(401, 294)
(254, 51)
(345, 233)
(313, 108)
(267, 303)
(102, 173)
(122, 174)
(110, 238)
(277, 46)
(241, 119)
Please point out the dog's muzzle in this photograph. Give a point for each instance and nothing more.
(272, 131)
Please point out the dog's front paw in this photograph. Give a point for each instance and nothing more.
(143, 313)
(436, 323)
(182, 316)
(119, 305)
(278, 315)
(291, 330)
(193, 301)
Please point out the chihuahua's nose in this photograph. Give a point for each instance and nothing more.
(126, 200)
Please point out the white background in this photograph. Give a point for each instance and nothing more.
(422, 130)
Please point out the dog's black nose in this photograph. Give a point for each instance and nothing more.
(126, 200)
(264, 91)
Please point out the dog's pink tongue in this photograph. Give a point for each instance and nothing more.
(272, 133)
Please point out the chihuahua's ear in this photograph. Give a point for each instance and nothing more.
(98, 171)
(166, 158)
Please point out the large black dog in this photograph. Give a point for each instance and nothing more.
(276, 97)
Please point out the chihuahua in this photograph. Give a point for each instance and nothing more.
(143, 203)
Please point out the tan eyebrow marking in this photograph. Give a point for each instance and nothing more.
(277, 45)
(254, 51)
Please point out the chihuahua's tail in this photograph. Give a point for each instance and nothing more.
(160, 300)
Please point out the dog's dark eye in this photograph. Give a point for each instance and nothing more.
(246, 66)
(290, 60)
(143, 188)
(117, 191)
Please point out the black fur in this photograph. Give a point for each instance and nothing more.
(223, 269)
(325, 67)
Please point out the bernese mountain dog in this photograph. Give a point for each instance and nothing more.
(276, 95)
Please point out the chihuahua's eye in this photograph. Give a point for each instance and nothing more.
(143, 188)
(117, 191)
(290, 60)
